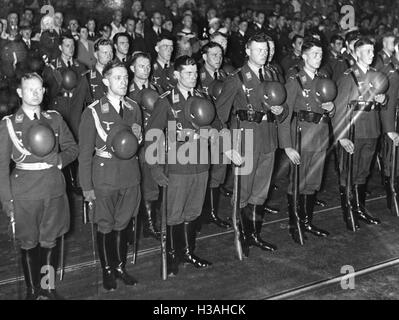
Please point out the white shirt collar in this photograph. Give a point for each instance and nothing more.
(362, 68)
(242, 33)
(255, 69)
(185, 92)
(115, 102)
(30, 112)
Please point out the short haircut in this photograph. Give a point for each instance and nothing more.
(258, 37)
(112, 65)
(82, 27)
(131, 18)
(211, 45)
(66, 37)
(164, 37)
(362, 42)
(140, 54)
(102, 42)
(296, 37)
(335, 38)
(309, 43)
(183, 61)
(29, 76)
(119, 35)
(388, 35)
(351, 36)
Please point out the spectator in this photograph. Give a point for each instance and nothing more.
(85, 49)
(116, 24)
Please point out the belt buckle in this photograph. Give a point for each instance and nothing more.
(251, 115)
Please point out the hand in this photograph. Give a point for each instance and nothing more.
(328, 106)
(159, 176)
(89, 196)
(8, 207)
(137, 132)
(394, 136)
(347, 145)
(234, 157)
(277, 110)
(293, 155)
(379, 98)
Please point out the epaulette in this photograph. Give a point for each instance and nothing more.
(93, 104)
(86, 72)
(7, 117)
(52, 111)
(235, 72)
(372, 69)
(165, 94)
(348, 71)
(129, 103)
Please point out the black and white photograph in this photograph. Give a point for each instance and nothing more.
(200, 156)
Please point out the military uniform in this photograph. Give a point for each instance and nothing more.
(236, 49)
(186, 181)
(49, 44)
(289, 61)
(306, 112)
(116, 183)
(161, 76)
(70, 103)
(354, 87)
(37, 188)
(96, 85)
(254, 116)
(336, 65)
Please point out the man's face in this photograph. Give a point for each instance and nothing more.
(58, 19)
(73, 25)
(117, 81)
(168, 25)
(261, 18)
(272, 50)
(26, 33)
(142, 68)
(188, 22)
(106, 32)
(142, 15)
(257, 52)
(117, 16)
(211, 14)
(84, 34)
(157, 19)
(222, 41)
(214, 58)
(12, 19)
(104, 54)
(31, 92)
(389, 44)
(187, 77)
(122, 46)
(243, 26)
(130, 26)
(165, 49)
(365, 54)
(312, 57)
(68, 47)
(136, 6)
(337, 46)
(28, 15)
(298, 45)
(282, 21)
(273, 21)
(91, 25)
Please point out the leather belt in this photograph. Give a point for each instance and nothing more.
(310, 116)
(365, 106)
(255, 116)
(37, 166)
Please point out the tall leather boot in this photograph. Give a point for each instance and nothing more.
(120, 241)
(172, 249)
(387, 185)
(30, 265)
(49, 259)
(105, 247)
(345, 212)
(359, 198)
(253, 217)
(307, 207)
(293, 228)
(214, 194)
(188, 255)
(149, 227)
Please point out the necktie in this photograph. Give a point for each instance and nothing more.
(124, 60)
(189, 95)
(166, 66)
(121, 109)
(35, 116)
(261, 75)
(69, 64)
(159, 32)
(215, 75)
(143, 86)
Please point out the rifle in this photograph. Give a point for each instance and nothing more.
(394, 205)
(164, 214)
(134, 230)
(349, 169)
(295, 195)
(239, 237)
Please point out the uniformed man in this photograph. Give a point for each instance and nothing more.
(244, 91)
(34, 193)
(349, 55)
(121, 45)
(335, 64)
(209, 72)
(104, 54)
(236, 49)
(187, 182)
(355, 95)
(312, 117)
(294, 58)
(111, 182)
(141, 68)
(162, 66)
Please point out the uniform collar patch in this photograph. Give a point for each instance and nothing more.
(93, 74)
(105, 107)
(19, 118)
(203, 76)
(175, 97)
(46, 115)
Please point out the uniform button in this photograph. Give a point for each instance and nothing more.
(102, 164)
(16, 176)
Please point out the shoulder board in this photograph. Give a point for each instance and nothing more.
(372, 69)
(52, 111)
(130, 103)
(165, 94)
(7, 117)
(348, 71)
(236, 71)
(86, 72)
